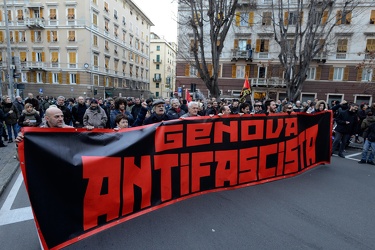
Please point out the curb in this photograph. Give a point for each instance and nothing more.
(8, 165)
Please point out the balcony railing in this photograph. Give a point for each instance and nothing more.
(341, 56)
(321, 57)
(157, 61)
(35, 22)
(157, 79)
(242, 54)
(275, 82)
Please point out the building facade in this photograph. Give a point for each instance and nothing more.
(92, 48)
(250, 49)
(162, 67)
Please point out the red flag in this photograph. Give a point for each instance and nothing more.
(188, 96)
(246, 90)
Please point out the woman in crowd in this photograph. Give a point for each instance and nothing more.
(29, 117)
(121, 121)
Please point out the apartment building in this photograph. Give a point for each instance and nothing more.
(162, 67)
(88, 47)
(250, 49)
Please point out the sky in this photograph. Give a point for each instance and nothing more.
(162, 14)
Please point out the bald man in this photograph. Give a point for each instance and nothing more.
(54, 118)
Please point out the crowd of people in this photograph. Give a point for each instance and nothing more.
(350, 119)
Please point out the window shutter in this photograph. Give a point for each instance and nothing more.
(266, 45)
(247, 70)
(60, 77)
(251, 18)
(318, 73)
(33, 56)
(331, 71)
(325, 17)
(234, 71)
(348, 17)
(286, 16)
(44, 77)
(16, 36)
(255, 71)
(1, 16)
(50, 77)
(48, 36)
(35, 76)
(210, 69)
(338, 17)
(32, 35)
(77, 78)
(346, 74)
(68, 78)
(28, 76)
(257, 47)
(235, 45)
(23, 56)
(1, 36)
(372, 18)
(359, 74)
(238, 18)
(301, 18)
(41, 13)
(43, 57)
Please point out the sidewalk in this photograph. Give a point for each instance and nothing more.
(8, 165)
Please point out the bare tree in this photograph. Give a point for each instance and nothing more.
(212, 17)
(366, 69)
(303, 36)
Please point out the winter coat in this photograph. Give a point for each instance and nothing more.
(116, 112)
(10, 118)
(96, 118)
(175, 114)
(366, 124)
(78, 111)
(135, 110)
(341, 120)
(33, 115)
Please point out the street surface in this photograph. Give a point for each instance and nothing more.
(328, 207)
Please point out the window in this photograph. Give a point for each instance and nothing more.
(240, 71)
(266, 18)
(158, 48)
(193, 71)
(9, 15)
(291, 17)
(96, 61)
(38, 56)
(95, 2)
(157, 93)
(244, 19)
(52, 36)
(55, 77)
(54, 57)
(73, 78)
(311, 73)
(95, 19)
(123, 20)
(95, 80)
(242, 44)
(115, 32)
(342, 45)
(115, 14)
(343, 17)
(71, 15)
(71, 35)
(366, 75)
(36, 36)
(72, 59)
(23, 56)
(370, 45)
(106, 45)
(20, 15)
(95, 40)
(338, 74)
(262, 45)
(39, 77)
(116, 66)
(157, 58)
(157, 85)
(106, 25)
(262, 72)
(106, 63)
(106, 8)
(157, 66)
(52, 14)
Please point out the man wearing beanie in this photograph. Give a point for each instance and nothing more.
(95, 116)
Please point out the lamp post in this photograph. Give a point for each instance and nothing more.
(10, 67)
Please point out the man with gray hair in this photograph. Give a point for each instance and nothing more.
(60, 103)
(193, 108)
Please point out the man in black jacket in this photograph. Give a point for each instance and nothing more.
(347, 121)
(78, 111)
(67, 114)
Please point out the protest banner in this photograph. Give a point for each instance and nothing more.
(81, 182)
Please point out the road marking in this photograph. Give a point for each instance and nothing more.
(8, 216)
(353, 155)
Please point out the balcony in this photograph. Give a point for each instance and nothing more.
(320, 57)
(157, 79)
(36, 65)
(341, 56)
(157, 61)
(274, 82)
(35, 23)
(242, 54)
(252, 4)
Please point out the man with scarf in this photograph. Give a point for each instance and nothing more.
(95, 116)
(175, 111)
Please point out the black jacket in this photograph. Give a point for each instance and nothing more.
(341, 120)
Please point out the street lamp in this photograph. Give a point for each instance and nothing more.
(10, 68)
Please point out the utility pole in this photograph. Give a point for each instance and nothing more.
(10, 67)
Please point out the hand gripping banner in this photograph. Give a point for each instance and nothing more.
(81, 182)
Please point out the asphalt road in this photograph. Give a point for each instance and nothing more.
(328, 207)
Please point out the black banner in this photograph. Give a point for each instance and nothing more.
(81, 182)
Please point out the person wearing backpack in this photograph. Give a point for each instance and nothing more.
(369, 142)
